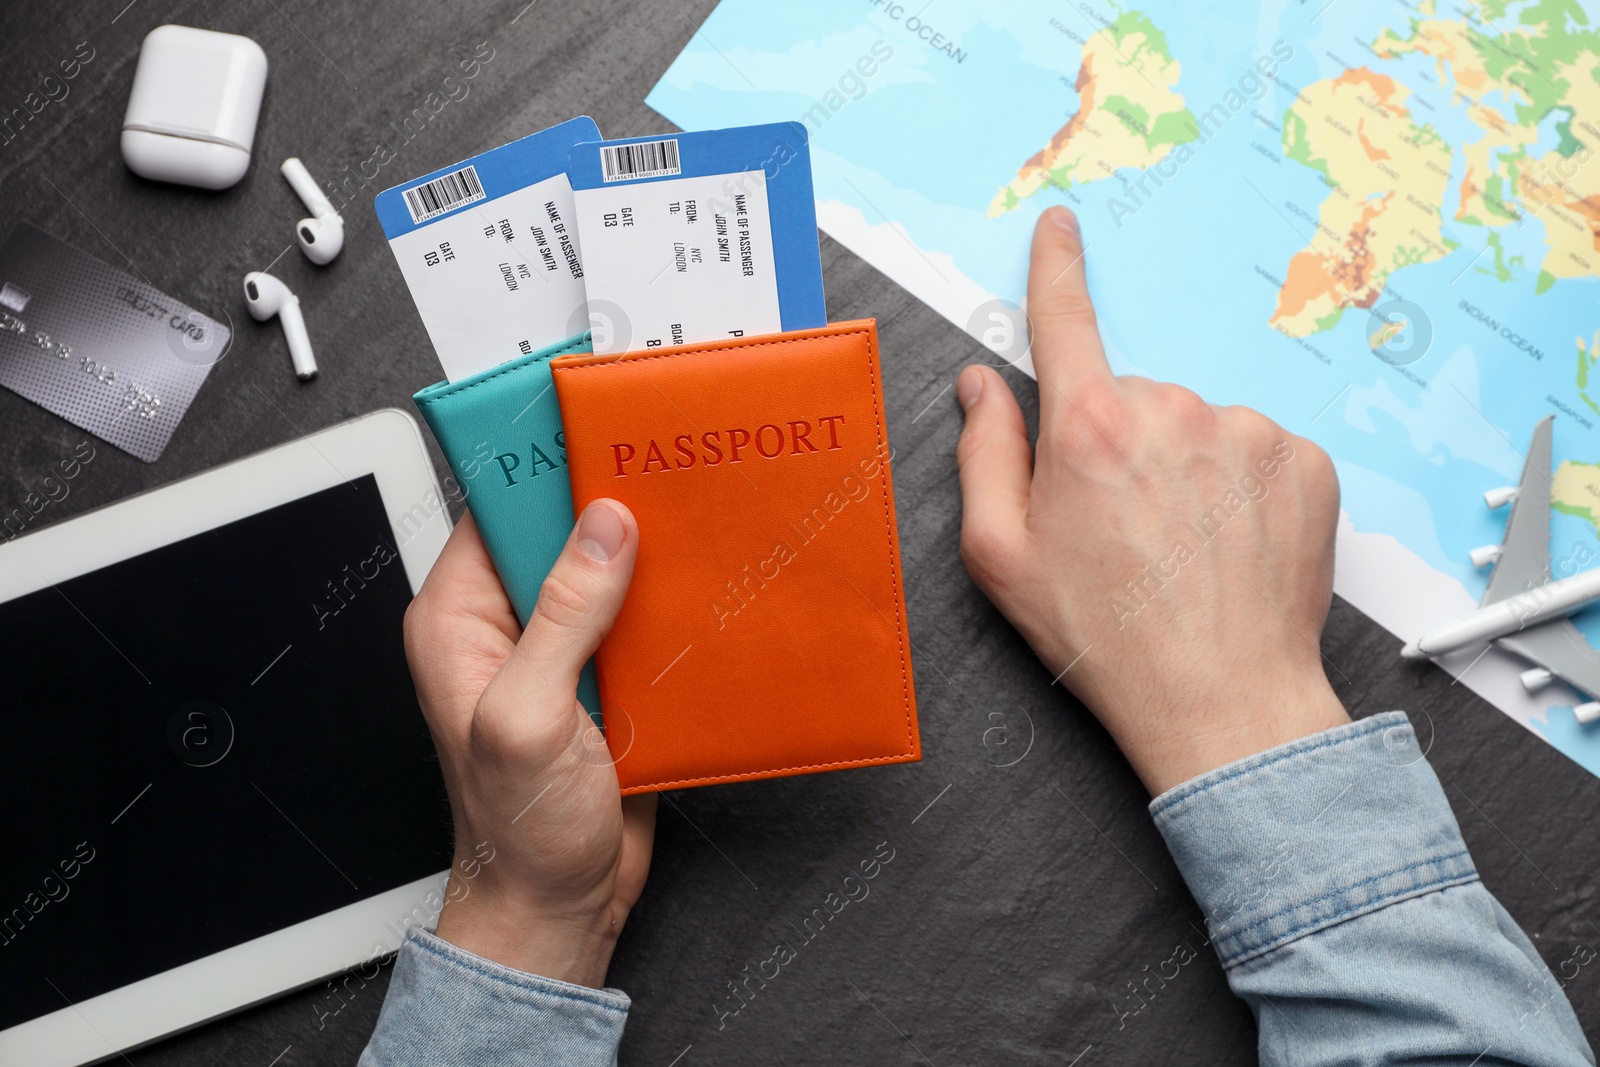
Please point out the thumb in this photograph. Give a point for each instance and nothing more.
(996, 467)
(579, 600)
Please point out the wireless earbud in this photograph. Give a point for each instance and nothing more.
(322, 236)
(267, 296)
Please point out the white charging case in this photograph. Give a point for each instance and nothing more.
(192, 113)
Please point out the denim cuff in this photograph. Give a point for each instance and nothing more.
(446, 1005)
(1323, 829)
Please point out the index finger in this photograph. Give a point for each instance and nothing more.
(1067, 353)
(460, 627)
(465, 581)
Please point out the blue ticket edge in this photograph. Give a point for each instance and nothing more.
(514, 165)
(790, 199)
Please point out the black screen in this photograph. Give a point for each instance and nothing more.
(207, 743)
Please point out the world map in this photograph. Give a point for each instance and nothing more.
(1377, 221)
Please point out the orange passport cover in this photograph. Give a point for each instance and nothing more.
(765, 632)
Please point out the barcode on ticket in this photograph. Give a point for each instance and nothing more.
(647, 159)
(445, 193)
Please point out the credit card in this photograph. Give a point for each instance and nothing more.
(489, 250)
(107, 352)
(698, 236)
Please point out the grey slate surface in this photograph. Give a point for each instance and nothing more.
(1020, 906)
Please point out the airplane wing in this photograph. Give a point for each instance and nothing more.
(1559, 648)
(1525, 553)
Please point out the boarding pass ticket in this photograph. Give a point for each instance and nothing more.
(489, 250)
(698, 236)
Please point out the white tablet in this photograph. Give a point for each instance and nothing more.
(216, 782)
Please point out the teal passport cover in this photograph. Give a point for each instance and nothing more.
(501, 431)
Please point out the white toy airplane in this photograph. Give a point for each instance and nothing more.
(1523, 610)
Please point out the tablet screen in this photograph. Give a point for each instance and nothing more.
(205, 744)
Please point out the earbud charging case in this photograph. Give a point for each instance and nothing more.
(192, 113)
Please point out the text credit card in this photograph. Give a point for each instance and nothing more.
(108, 352)
(489, 250)
(698, 236)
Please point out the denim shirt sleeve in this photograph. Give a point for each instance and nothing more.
(446, 1005)
(1343, 904)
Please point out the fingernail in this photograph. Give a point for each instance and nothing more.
(1064, 218)
(600, 532)
(969, 387)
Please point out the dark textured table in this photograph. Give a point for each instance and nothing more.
(1023, 901)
